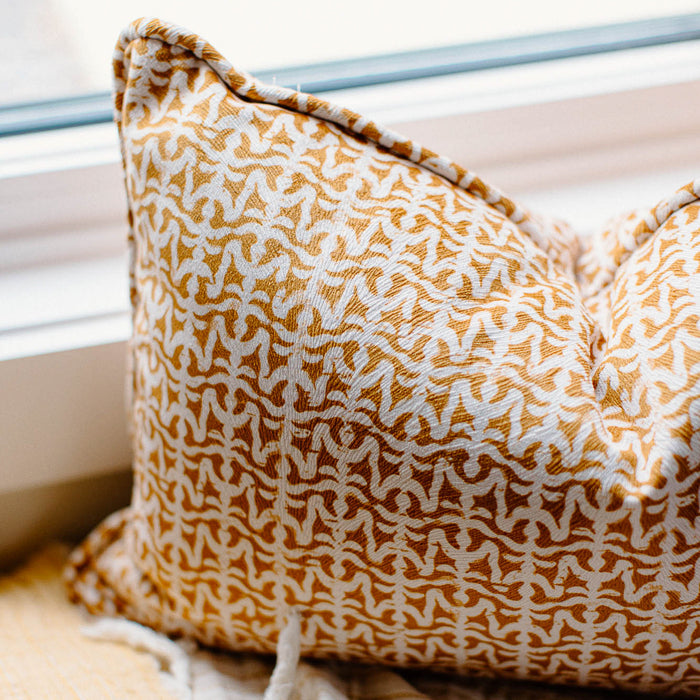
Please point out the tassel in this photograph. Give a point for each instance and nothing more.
(288, 650)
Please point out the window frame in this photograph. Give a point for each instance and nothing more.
(363, 72)
(62, 364)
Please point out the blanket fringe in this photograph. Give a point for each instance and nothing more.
(175, 658)
(172, 657)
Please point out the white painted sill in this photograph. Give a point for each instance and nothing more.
(581, 138)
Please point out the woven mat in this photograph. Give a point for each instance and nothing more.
(45, 653)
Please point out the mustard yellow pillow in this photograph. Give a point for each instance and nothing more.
(369, 388)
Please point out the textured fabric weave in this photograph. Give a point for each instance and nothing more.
(44, 655)
(370, 388)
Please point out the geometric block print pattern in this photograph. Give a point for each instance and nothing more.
(369, 387)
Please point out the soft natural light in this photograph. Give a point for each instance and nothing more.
(56, 48)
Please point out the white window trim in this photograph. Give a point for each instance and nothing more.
(583, 137)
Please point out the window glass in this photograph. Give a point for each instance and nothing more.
(61, 48)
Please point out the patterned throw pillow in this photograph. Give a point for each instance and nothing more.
(369, 388)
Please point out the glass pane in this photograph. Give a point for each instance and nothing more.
(61, 48)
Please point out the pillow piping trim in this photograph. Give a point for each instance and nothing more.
(251, 89)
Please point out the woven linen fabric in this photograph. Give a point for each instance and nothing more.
(45, 656)
(370, 390)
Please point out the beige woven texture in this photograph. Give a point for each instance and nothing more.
(44, 654)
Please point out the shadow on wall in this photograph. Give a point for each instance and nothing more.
(65, 512)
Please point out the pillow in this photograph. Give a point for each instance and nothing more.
(369, 390)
